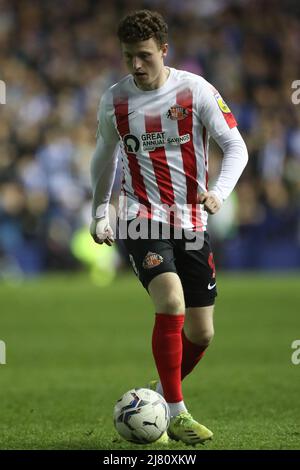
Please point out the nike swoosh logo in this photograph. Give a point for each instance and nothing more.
(130, 113)
(209, 287)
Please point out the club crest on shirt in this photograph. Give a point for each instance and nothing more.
(152, 260)
(177, 113)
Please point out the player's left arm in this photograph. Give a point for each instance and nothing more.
(235, 157)
(221, 125)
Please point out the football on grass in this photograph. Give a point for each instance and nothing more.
(141, 416)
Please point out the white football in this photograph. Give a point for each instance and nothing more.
(141, 416)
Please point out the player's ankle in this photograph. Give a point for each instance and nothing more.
(177, 408)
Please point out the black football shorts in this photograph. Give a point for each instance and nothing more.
(192, 260)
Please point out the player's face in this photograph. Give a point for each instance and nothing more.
(145, 60)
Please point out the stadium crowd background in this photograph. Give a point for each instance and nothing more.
(56, 59)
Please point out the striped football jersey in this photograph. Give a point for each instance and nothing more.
(163, 135)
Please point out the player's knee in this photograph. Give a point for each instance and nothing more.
(207, 337)
(172, 304)
(202, 338)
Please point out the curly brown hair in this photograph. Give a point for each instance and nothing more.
(142, 25)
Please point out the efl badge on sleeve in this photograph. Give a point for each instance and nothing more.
(229, 117)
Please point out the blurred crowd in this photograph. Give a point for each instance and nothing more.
(57, 58)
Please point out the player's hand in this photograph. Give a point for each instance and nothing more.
(101, 231)
(210, 201)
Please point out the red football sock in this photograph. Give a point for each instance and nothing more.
(167, 352)
(191, 355)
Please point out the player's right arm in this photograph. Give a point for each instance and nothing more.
(103, 169)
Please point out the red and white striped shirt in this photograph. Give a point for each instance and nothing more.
(163, 136)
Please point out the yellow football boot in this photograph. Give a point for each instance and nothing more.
(184, 428)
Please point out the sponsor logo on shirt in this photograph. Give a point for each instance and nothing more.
(153, 140)
(177, 113)
(183, 139)
(131, 143)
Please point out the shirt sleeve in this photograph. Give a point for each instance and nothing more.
(106, 128)
(104, 161)
(214, 113)
(235, 157)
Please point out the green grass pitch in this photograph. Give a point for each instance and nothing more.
(72, 349)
